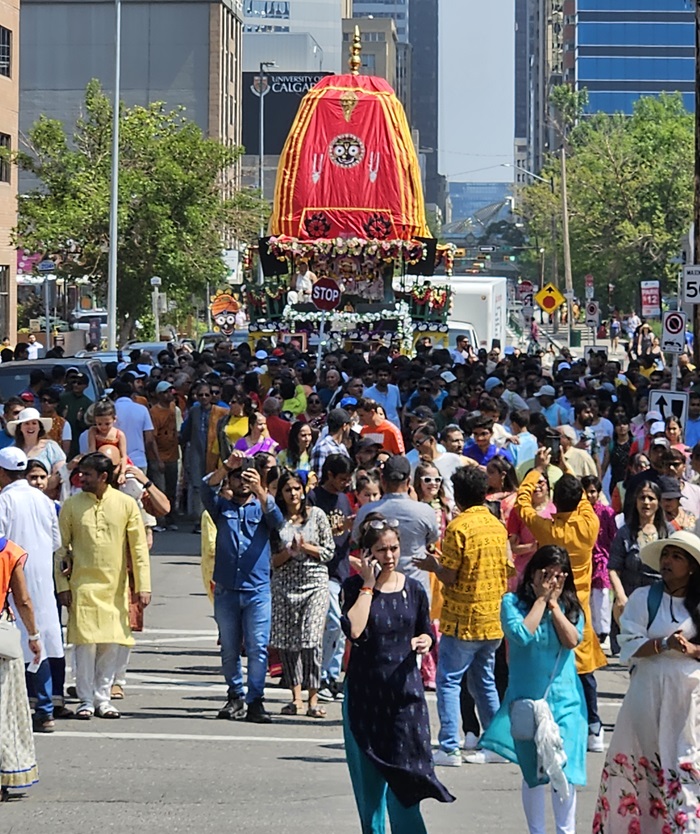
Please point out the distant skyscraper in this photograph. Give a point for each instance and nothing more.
(397, 10)
(625, 49)
(522, 84)
(425, 90)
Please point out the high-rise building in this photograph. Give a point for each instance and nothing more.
(9, 110)
(379, 41)
(522, 85)
(625, 49)
(182, 53)
(320, 20)
(396, 10)
(425, 92)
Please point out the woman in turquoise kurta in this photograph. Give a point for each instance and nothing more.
(543, 622)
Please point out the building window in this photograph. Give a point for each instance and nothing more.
(5, 142)
(5, 51)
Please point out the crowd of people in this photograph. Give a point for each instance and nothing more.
(474, 523)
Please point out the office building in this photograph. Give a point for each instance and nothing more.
(396, 10)
(181, 53)
(425, 93)
(522, 85)
(9, 115)
(625, 49)
(320, 20)
(379, 41)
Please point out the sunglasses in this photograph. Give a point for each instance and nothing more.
(384, 523)
(428, 479)
(203, 394)
(422, 388)
(47, 400)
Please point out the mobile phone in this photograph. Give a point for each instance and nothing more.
(554, 446)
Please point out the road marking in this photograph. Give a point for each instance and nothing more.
(187, 631)
(192, 737)
(161, 641)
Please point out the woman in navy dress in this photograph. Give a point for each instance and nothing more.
(385, 717)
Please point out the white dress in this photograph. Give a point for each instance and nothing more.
(28, 518)
(651, 778)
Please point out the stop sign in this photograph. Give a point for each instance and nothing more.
(326, 294)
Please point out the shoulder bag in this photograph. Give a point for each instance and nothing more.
(10, 642)
(523, 721)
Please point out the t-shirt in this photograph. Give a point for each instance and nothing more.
(134, 419)
(335, 506)
(165, 429)
(393, 442)
(390, 401)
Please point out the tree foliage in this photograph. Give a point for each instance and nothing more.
(177, 202)
(630, 187)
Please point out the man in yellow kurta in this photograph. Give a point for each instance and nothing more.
(96, 526)
(575, 528)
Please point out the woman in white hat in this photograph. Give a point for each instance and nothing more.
(29, 431)
(652, 769)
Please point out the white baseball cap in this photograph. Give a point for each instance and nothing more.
(13, 459)
(546, 391)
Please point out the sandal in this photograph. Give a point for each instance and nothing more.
(290, 709)
(83, 714)
(107, 711)
(117, 692)
(316, 712)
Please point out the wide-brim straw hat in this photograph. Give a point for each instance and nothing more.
(25, 415)
(650, 554)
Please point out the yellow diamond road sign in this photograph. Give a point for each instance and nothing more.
(549, 298)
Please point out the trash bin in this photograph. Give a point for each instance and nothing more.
(575, 338)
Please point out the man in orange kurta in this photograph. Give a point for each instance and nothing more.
(575, 528)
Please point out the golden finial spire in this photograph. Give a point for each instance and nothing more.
(355, 61)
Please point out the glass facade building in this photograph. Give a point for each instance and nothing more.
(631, 48)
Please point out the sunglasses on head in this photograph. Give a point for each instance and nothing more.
(384, 523)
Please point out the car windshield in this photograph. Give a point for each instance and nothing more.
(15, 378)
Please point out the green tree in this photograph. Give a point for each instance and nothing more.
(630, 186)
(177, 202)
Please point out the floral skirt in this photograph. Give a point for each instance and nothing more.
(17, 757)
(651, 778)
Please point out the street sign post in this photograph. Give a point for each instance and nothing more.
(46, 266)
(691, 284)
(549, 298)
(670, 404)
(325, 296)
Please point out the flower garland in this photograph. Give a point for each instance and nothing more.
(387, 250)
(404, 330)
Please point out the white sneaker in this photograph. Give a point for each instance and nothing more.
(444, 759)
(596, 742)
(485, 757)
(471, 742)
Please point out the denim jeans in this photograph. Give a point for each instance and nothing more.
(333, 637)
(455, 658)
(244, 617)
(39, 685)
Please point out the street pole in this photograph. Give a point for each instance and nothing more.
(696, 236)
(261, 171)
(114, 191)
(155, 283)
(568, 278)
(321, 334)
(46, 313)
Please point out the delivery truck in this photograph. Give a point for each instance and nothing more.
(479, 304)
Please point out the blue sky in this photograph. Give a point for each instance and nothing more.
(476, 89)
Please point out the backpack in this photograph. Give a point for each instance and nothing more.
(656, 595)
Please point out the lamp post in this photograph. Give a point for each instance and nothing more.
(114, 190)
(568, 278)
(261, 171)
(696, 213)
(155, 283)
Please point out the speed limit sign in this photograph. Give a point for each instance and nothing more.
(673, 336)
(691, 284)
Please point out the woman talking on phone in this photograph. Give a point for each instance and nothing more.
(385, 716)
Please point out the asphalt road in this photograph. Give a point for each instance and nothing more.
(169, 766)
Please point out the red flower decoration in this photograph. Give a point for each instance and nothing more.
(377, 226)
(317, 225)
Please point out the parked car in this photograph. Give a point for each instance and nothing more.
(14, 376)
(154, 348)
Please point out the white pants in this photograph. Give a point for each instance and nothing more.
(95, 665)
(601, 610)
(122, 664)
(564, 809)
